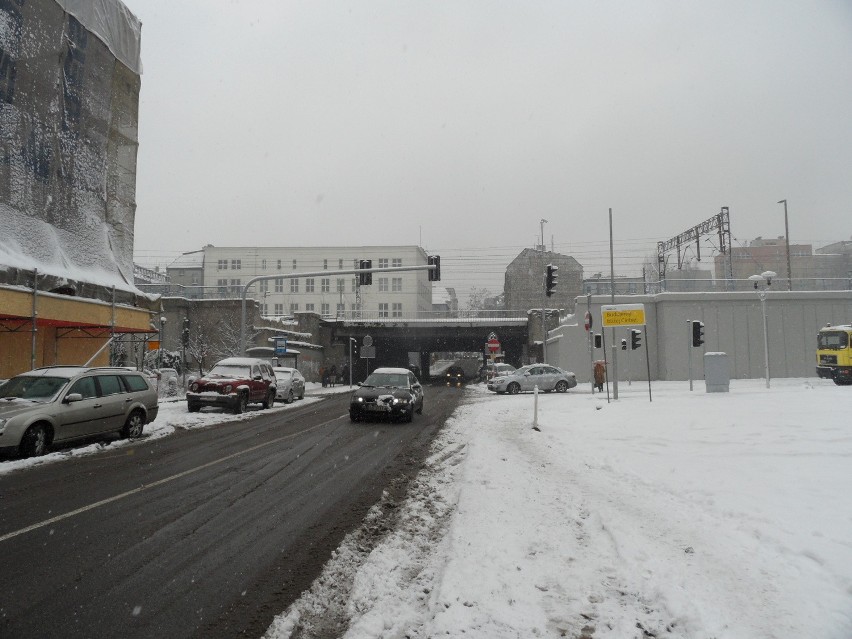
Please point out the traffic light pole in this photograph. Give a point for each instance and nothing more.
(689, 348)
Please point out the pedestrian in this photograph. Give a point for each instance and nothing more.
(324, 376)
(600, 374)
(333, 374)
(344, 374)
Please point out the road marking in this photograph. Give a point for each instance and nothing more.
(159, 482)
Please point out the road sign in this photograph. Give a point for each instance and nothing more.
(623, 315)
(493, 344)
(588, 321)
(368, 352)
(368, 341)
(280, 345)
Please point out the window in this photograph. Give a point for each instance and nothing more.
(383, 309)
(264, 309)
(341, 309)
(223, 286)
(325, 265)
(294, 285)
(340, 264)
(325, 285)
(263, 264)
(397, 310)
(294, 308)
(236, 265)
(309, 285)
(110, 385)
(222, 265)
(354, 284)
(264, 286)
(279, 309)
(397, 261)
(85, 386)
(341, 284)
(279, 265)
(397, 284)
(309, 308)
(325, 309)
(294, 265)
(236, 286)
(383, 262)
(383, 284)
(135, 383)
(279, 284)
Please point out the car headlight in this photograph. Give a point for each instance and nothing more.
(228, 388)
(360, 400)
(193, 387)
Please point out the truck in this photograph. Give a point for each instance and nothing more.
(834, 353)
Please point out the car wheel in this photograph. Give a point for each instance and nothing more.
(514, 388)
(270, 400)
(193, 408)
(561, 386)
(289, 399)
(132, 428)
(34, 443)
(409, 416)
(242, 404)
(354, 416)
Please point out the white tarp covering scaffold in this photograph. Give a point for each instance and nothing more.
(69, 102)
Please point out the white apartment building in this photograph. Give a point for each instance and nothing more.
(395, 294)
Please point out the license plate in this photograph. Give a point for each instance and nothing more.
(378, 408)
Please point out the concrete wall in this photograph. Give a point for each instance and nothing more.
(733, 323)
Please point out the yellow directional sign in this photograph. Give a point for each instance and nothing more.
(623, 315)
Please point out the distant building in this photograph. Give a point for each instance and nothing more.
(600, 284)
(444, 300)
(524, 281)
(225, 270)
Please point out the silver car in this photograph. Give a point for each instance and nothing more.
(291, 384)
(64, 403)
(547, 378)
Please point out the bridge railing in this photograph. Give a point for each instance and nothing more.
(412, 316)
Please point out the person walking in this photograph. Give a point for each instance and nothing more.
(333, 375)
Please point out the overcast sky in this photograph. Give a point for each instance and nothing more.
(460, 125)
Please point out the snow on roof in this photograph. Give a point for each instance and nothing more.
(193, 259)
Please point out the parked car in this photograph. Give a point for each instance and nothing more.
(234, 383)
(291, 384)
(526, 378)
(487, 371)
(63, 403)
(392, 393)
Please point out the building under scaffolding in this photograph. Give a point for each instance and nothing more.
(69, 97)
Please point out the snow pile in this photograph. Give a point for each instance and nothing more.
(720, 515)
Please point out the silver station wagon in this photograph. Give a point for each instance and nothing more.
(64, 403)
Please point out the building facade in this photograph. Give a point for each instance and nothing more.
(524, 281)
(299, 284)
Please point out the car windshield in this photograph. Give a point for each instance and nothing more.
(37, 389)
(232, 370)
(399, 380)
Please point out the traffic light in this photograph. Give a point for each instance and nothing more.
(697, 333)
(635, 339)
(435, 273)
(365, 279)
(550, 278)
(598, 340)
(185, 334)
(624, 344)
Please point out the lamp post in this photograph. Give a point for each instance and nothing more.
(351, 339)
(162, 332)
(787, 240)
(543, 301)
(762, 283)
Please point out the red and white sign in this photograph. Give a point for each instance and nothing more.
(493, 343)
(588, 322)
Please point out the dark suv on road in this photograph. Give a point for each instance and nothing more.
(392, 393)
(234, 383)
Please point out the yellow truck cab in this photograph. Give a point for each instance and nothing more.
(834, 353)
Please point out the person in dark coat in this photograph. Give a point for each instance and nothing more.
(333, 374)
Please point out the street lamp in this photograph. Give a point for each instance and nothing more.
(351, 339)
(762, 283)
(787, 240)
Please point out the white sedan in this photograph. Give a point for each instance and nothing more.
(526, 378)
(291, 384)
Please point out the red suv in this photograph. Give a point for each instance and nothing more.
(234, 383)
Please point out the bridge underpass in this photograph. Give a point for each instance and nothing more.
(394, 338)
